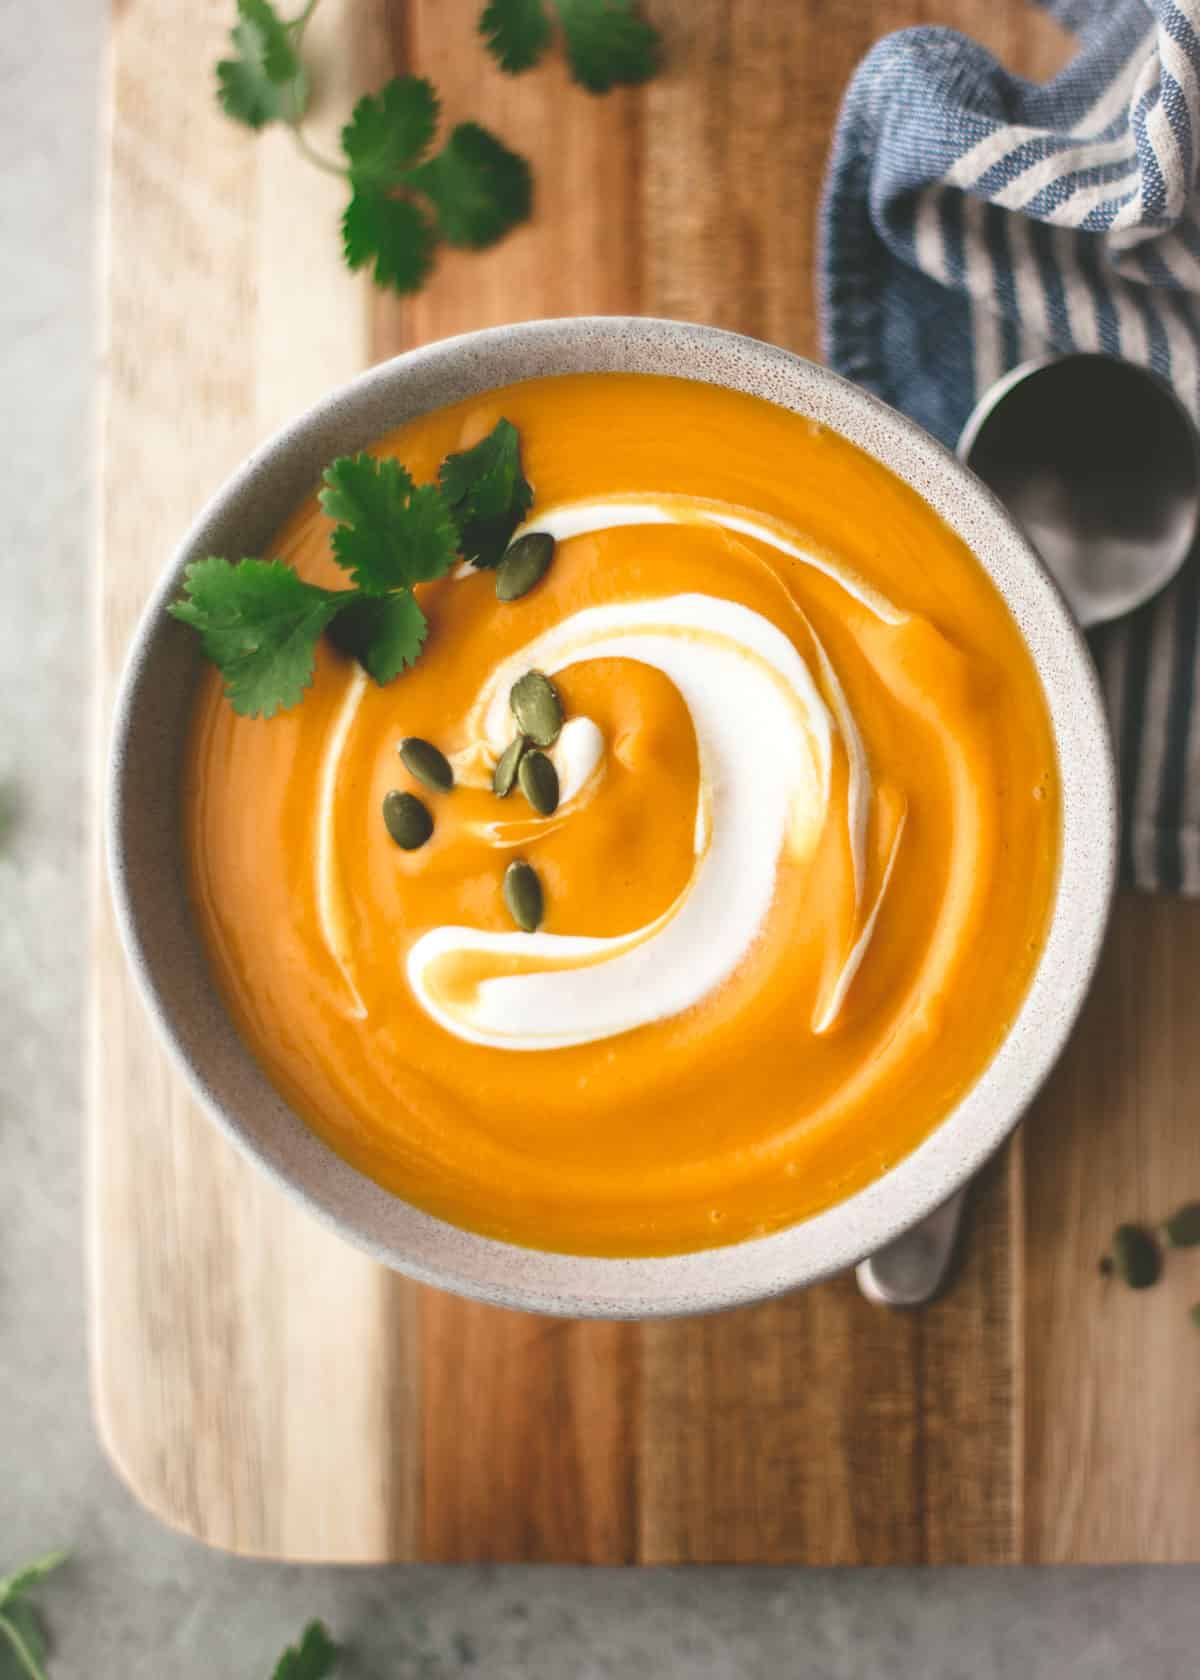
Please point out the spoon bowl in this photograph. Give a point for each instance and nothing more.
(1097, 461)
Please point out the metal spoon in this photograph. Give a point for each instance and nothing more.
(1099, 464)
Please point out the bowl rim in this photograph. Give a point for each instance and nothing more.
(501, 1273)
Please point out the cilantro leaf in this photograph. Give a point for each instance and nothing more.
(279, 58)
(516, 33)
(389, 131)
(478, 187)
(312, 1659)
(12, 1586)
(22, 1642)
(392, 233)
(259, 622)
(607, 43)
(265, 82)
(385, 633)
(391, 533)
(23, 1648)
(487, 493)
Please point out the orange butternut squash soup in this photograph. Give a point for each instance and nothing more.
(797, 879)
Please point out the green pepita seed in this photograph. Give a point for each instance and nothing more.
(505, 773)
(524, 564)
(408, 820)
(1136, 1256)
(523, 895)
(1194, 1315)
(537, 708)
(539, 782)
(423, 760)
(1182, 1230)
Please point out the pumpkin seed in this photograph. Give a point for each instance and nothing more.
(539, 782)
(1136, 1256)
(423, 760)
(525, 564)
(523, 895)
(408, 820)
(505, 773)
(1194, 1315)
(537, 708)
(1182, 1230)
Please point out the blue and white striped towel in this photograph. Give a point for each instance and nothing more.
(971, 220)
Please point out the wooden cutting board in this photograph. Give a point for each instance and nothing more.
(267, 1389)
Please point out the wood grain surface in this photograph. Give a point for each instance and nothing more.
(262, 1386)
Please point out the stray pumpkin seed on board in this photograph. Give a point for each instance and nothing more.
(1182, 1230)
(1136, 1256)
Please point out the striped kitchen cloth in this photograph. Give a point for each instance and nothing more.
(971, 220)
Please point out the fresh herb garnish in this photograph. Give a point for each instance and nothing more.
(477, 188)
(264, 81)
(487, 493)
(260, 622)
(23, 1649)
(607, 43)
(402, 201)
(391, 533)
(314, 1658)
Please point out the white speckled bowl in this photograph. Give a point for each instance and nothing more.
(155, 922)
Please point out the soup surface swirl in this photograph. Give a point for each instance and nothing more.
(795, 888)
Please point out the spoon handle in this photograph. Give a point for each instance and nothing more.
(912, 1269)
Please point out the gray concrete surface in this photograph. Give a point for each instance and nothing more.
(135, 1601)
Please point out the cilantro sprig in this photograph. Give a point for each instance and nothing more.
(487, 494)
(404, 197)
(314, 1657)
(264, 80)
(260, 622)
(23, 1649)
(402, 200)
(608, 44)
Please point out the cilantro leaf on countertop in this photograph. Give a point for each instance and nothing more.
(402, 201)
(385, 633)
(390, 131)
(264, 82)
(390, 532)
(23, 1649)
(608, 43)
(517, 33)
(259, 622)
(487, 493)
(314, 1658)
(479, 188)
